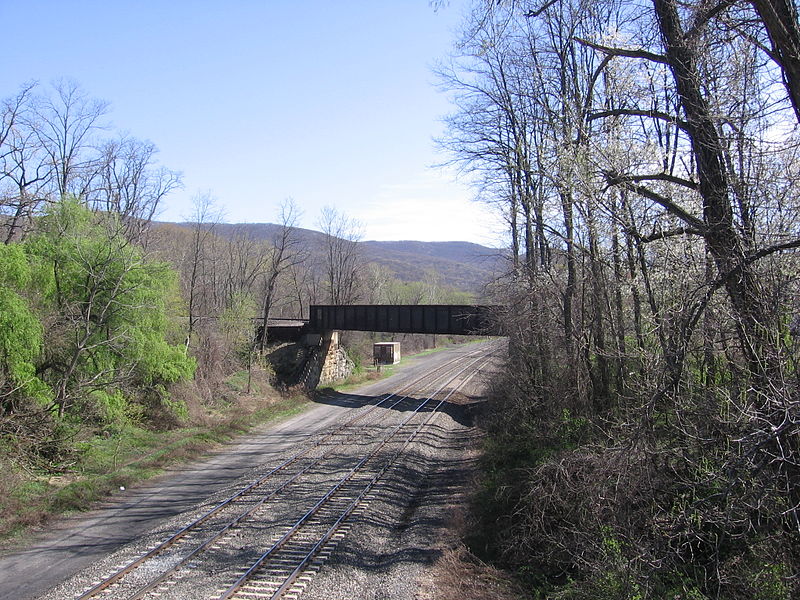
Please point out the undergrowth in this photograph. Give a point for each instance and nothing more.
(580, 508)
(98, 464)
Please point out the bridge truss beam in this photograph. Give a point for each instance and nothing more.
(459, 319)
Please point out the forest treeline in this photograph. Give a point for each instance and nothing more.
(644, 442)
(103, 312)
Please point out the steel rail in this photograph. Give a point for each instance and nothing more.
(177, 536)
(232, 590)
(356, 501)
(148, 587)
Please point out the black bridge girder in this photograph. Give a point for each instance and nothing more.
(452, 319)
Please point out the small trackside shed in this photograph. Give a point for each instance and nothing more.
(386, 353)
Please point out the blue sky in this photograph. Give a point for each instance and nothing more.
(326, 102)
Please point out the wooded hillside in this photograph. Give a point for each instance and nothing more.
(463, 266)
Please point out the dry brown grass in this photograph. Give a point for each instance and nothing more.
(460, 575)
(210, 402)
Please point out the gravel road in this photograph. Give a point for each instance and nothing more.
(383, 551)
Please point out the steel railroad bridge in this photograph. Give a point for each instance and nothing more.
(445, 319)
(319, 358)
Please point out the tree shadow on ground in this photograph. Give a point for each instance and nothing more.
(402, 526)
(462, 410)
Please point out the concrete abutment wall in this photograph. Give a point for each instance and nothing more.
(326, 362)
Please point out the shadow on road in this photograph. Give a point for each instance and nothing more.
(461, 409)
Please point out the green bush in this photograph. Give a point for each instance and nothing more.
(106, 308)
(21, 332)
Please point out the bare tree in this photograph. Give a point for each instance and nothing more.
(24, 172)
(658, 143)
(130, 185)
(780, 20)
(245, 262)
(49, 149)
(65, 122)
(285, 254)
(198, 290)
(342, 255)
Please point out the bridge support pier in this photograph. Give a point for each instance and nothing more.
(336, 365)
(326, 360)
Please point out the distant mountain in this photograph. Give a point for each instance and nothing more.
(461, 265)
(457, 251)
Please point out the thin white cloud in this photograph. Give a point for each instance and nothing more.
(428, 207)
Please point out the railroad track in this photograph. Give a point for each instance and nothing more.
(220, 545)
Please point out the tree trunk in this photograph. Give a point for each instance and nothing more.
(619, 318)
(600, 369)
(723, 240)
(780, 21)
(569, 290)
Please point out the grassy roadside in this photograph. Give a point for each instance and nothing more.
(130, 454)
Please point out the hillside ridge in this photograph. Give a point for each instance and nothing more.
(465, 266)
